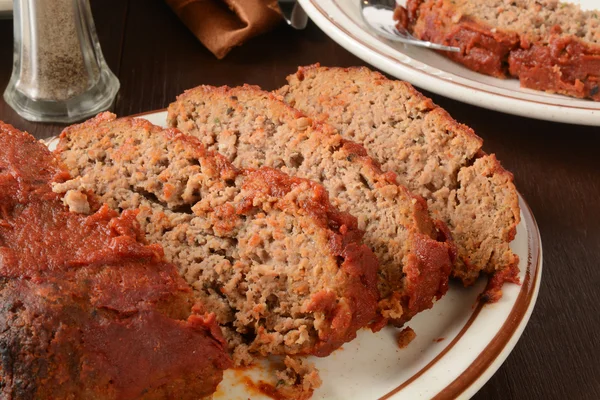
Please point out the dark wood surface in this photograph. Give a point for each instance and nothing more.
(556, 169)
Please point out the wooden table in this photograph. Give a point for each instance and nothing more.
(556, 168)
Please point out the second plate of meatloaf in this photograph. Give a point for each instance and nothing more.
(435, 72)
(548, 45)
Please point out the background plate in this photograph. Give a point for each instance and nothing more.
(459, 343)
(341, 20)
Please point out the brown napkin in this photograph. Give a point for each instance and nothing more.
(222, 24)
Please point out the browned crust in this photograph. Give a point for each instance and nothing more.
(565, 65)
(427, 273)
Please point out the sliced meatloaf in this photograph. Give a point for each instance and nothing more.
(547, 44)
(432, 154)
(252, 128)
(283, 270)
(87, 309)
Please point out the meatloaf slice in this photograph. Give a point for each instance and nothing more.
(283, 270)
(547, 44)
(252, 128)
(432, 154)
(87, 309)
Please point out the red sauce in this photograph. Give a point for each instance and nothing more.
(493, 290)
(565, 65)
(264, 388)
(121, 317)
(427, 272)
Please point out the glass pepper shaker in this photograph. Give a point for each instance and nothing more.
(59, 73)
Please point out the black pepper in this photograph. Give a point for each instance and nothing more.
(53, 66)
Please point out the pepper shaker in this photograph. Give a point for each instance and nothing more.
(59, 73)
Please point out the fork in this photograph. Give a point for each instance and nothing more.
(378, 16)
(293, 13)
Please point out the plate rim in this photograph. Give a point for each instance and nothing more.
(493, 356)
(318, 12)
(489, 360)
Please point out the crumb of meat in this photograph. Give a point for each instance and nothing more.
(298, 380)
(78, 183)
(77, 202)
(405, 336)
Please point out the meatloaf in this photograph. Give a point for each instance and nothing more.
(547, 44)
(87, 309)
(283, 270)
(432, 154)
(252, 128)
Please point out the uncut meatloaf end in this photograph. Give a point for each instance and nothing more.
(253, 128)
(283, 270)
(88, 310)
(431, 153)
(548, 45)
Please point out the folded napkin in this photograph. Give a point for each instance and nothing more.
(222, 24)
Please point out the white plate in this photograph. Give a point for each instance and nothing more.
(459, 343)
(340, 19)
